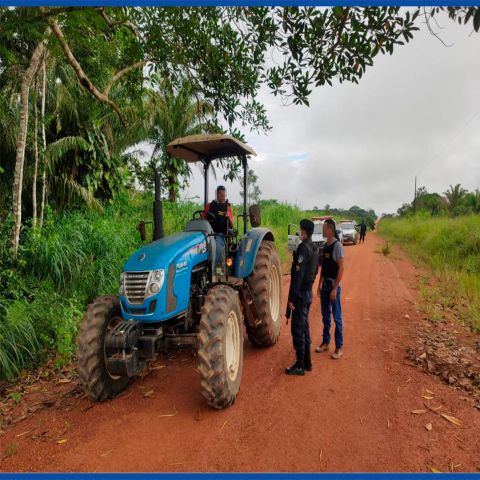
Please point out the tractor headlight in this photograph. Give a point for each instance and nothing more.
(155, 283)
(121, 289)
(158, 275)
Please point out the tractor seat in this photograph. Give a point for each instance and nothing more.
(199, 225)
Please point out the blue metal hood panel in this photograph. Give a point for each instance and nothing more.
(161, 253)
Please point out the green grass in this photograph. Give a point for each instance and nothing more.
(450, 247)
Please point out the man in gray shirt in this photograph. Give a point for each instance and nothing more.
(329, 289)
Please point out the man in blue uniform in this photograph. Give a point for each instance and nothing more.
(304, 270)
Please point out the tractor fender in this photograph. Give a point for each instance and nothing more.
(248, 249)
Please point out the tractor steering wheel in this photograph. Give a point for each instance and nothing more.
(200, 212)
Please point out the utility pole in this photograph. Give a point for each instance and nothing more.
(415, 196)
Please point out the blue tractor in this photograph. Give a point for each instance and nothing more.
(175, 292)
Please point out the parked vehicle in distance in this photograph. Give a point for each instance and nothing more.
(317, 238)
(349, 230)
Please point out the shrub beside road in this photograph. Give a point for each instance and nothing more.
(450, 248)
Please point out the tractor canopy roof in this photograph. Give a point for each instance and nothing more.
(196, 148)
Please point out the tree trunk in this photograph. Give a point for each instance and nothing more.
(44, 142)
(21, 142)
(35, 153)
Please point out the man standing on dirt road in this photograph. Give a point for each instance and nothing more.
(304, 270)
(329, 289)
(363, 231)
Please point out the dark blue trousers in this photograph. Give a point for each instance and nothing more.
(301, 327)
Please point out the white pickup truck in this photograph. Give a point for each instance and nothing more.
(317, 237)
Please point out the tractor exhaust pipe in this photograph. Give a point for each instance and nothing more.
(157, 210)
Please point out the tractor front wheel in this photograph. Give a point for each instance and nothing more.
(102, 315)
(265, 284)
(220, 348)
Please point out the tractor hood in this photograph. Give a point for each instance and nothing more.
(161, 253)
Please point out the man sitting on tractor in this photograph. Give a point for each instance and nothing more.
(219, 214)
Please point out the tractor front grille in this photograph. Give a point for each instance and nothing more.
(136, 286)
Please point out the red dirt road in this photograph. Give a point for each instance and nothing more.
(347, 415)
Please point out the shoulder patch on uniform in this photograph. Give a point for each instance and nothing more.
(297, 268)
(300, 259)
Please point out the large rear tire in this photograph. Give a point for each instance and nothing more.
(265, 284)
(101, 316)
(220, 348)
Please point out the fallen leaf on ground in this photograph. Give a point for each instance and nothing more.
(64, 440)
(428, 426)
(169, 414)
(422, 356)
(106, 453)
(64, 380)
(148, 394)
(10, 450)
(451, 419)
(429, 392)
(418, 412)
(428, 397)
(158, 367)
(435, 470)
(198, 415)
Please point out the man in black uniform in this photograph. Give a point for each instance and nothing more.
(363, 231)
(304, 270)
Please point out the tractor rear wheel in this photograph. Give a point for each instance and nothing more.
(265, 284)
(220, 348)
(101, 316)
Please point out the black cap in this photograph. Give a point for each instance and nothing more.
(221, 188)
(307, 225)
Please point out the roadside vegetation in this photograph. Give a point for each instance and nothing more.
(450, 247)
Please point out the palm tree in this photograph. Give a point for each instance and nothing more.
(454, 196)
(177, 113)
(87, 143)
(472, 199)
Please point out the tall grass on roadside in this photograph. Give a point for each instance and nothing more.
(19, 347)
(451, 248)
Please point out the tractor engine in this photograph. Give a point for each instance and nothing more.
(199, 288)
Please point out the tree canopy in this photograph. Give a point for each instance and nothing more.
(104, 65)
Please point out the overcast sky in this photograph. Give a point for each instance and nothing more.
(416, 112)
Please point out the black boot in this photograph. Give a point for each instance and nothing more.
(308, 359)
(296, 369)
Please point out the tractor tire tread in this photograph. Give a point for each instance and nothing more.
(264, 334)
(90, 357)
(213, 379)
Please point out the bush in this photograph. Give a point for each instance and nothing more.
(451, 248)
